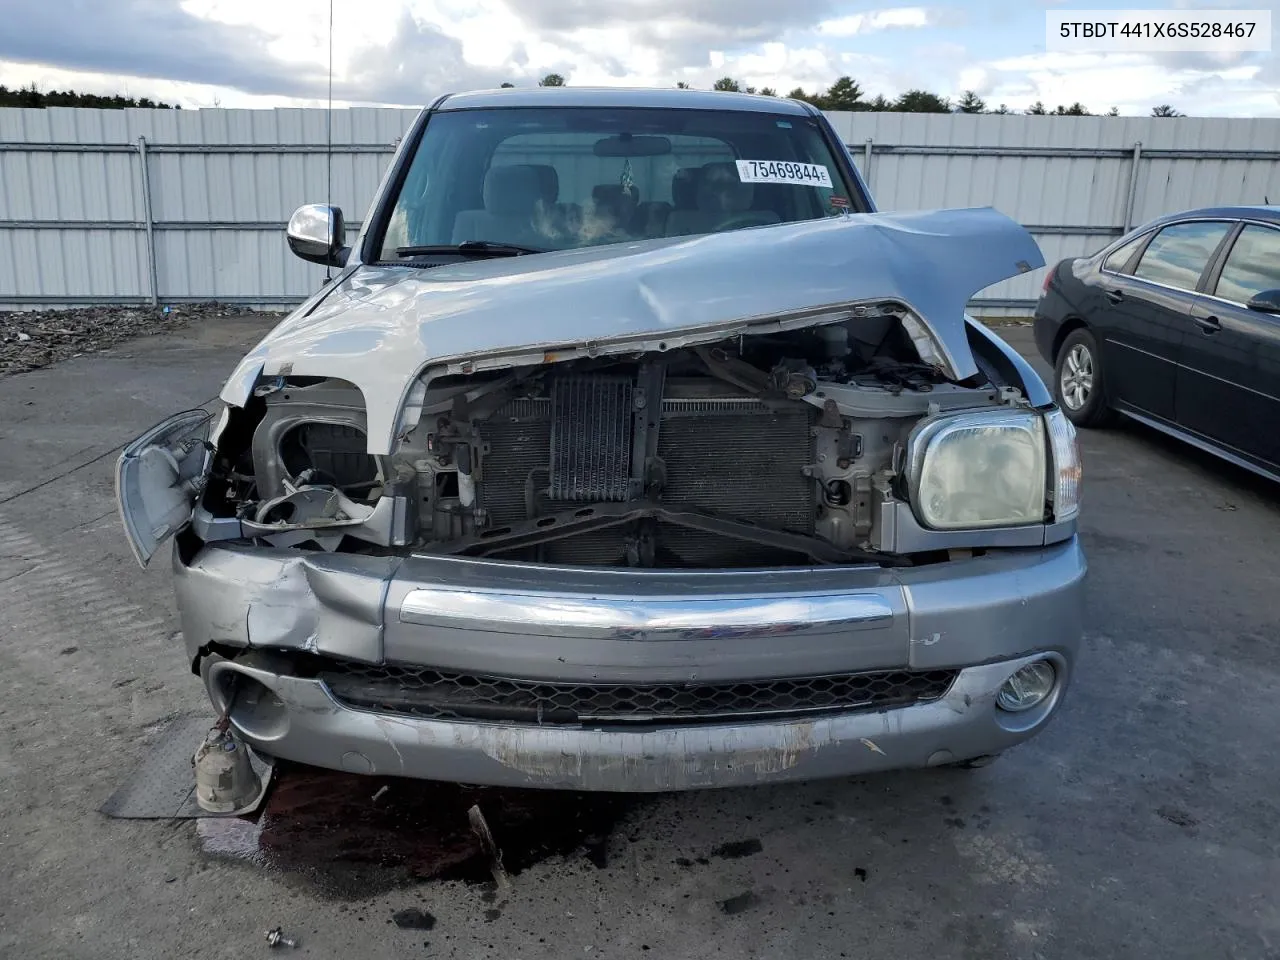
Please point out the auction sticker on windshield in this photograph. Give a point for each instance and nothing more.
(783, 171)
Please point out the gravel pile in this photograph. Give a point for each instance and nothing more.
(36, 338)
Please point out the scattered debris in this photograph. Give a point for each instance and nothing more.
(490, 847)
(413, 918)
(738, 904)
(1177, 816)
(277, 939)
(36, 338)
(737, 849)
(318, 828)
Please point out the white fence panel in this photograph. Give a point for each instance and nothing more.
(221, 184)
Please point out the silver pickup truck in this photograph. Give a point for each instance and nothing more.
(628, 448)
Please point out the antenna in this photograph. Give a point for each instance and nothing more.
(328, 133)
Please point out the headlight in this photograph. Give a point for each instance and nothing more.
(980, 469)
(1068, 469)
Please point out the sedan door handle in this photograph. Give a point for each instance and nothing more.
(1208, 324)
(1115, 296)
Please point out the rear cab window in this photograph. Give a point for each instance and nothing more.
(1252, 266)
(550, 178)
(1178, 254)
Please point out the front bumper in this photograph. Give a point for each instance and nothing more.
(252, 612)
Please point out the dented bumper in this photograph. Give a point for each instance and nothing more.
(265, 618)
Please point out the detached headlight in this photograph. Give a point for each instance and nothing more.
(981, 469)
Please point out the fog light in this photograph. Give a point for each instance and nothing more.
(1028, 687)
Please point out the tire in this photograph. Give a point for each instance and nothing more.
(1079, 383)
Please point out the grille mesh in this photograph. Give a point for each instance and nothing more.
(590, 438)
(435, 694)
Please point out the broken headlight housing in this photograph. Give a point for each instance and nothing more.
(979, 469)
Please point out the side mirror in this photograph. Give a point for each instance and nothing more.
(1268, 301)
(317, 233)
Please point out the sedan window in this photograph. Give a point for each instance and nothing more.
(1179, 253)
(1121, 254)
(1252, 266)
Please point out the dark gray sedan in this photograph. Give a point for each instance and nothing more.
(1176, 324)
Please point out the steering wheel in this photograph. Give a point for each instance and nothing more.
(752, 218)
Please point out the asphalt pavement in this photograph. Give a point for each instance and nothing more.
(1142, 823)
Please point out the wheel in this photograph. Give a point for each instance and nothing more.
(1078, 381)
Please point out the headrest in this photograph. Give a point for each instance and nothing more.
(720, 190)
(550, 181)
(684, 188)
(512, 191)
(611, 196)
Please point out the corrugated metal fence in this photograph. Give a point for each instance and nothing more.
(131, 206)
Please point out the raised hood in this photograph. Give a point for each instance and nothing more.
(380, 327)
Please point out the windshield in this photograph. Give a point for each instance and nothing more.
(548, 178)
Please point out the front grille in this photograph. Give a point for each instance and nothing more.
(440, 695)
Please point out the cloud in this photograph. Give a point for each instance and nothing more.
(742, 16)
(150, 38)
(1134, 82)
(274, 52)
(875, 20)
(417, 62)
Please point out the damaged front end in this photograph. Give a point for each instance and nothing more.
(773, 449)
(776, 439)
(430, 573)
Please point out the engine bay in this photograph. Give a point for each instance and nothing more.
(753, 451)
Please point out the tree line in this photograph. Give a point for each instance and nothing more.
(847, 94)
(31, 96)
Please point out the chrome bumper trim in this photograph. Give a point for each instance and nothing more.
(552, 614)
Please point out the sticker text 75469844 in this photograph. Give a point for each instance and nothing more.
(784, 171)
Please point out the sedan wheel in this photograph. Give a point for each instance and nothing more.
(1079, 380)
(1076, 378)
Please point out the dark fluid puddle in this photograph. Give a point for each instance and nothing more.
(349, 836)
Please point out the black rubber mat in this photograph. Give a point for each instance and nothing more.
(163, 786)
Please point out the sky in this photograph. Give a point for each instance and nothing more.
(273, 53)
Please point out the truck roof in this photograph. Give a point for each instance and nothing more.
(669, 99)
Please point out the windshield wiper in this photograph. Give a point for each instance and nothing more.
(468, 248)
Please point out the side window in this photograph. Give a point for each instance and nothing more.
(1121, 254)
(1253, 265)
(1178, 254)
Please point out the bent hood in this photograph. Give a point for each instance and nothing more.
(380, 327)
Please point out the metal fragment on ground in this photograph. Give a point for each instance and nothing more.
(481, 829)
(277, 939)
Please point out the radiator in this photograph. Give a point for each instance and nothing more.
(733, 456)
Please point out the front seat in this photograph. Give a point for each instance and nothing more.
(511, 194)
(721, 198)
